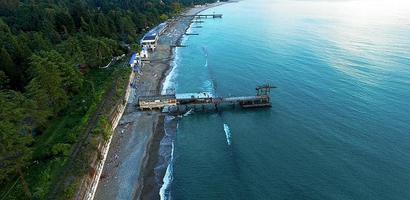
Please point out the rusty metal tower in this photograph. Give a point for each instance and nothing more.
(264, 90)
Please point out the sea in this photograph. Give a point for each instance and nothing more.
(339, 125)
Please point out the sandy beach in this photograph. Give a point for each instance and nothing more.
(128, 171)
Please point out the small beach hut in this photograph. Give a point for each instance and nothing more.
(144, 52)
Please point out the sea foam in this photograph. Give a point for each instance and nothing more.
(169, 81)
(228, 134)
(164, 191)
(189, 112)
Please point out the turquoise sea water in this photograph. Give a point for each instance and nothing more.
(339, 126)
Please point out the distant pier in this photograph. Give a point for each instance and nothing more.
(205, 99)
(177, 45)
(204, 15)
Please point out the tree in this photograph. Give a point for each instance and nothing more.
(96, 51)
(71, 49)
(46, 87)
(102, 24)
(4, 28)
(8, 6)
(64, 23)
(38, 42)
(15, 138)
(163, 17)
(3, 80)
(177, 7)
(7, 65)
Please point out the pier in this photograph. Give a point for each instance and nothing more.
(177, 45)
(205, 99)
(205, 15)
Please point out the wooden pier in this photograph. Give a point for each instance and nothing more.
(177, 45)
(261, 99)
(205, 15)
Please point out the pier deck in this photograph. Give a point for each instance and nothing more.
(261, 99)
(205, 15)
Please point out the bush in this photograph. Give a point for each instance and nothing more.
(61, 149)
(70, 190)
(103, 128)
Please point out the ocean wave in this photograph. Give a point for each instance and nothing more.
(189, 29)
(189, 112)
(165, 192)
(170, 79)
(228, 134)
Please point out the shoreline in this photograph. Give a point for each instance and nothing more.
(157, 163)
(128, 172)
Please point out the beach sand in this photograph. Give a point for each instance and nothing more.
(128, 171)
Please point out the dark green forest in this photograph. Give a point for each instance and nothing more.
(51, 83)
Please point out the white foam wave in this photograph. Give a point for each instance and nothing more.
(189, 30)
(164, 191)
(189, 112)
(170, 80)
(228, 134)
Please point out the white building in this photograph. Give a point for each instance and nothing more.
(144, 52)
(150, 39)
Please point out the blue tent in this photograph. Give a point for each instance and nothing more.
(133, 57)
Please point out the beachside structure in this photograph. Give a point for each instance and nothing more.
(134, 60)
(150, 39)
(186, 98)
(202, 99)
(144, 53)
(156, 102)
(135, 63)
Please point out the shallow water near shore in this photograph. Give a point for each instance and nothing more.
(339, 123)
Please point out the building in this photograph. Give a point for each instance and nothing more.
(156, 102)
(150, 39)
(144, 53)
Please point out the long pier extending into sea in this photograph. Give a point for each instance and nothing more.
(205, 99)
(204, 15)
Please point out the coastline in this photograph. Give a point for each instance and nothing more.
(128, 172)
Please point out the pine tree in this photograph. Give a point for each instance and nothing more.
(15, 138)
(46, 87)
(7, 65)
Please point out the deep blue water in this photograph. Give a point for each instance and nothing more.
(339, 126)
